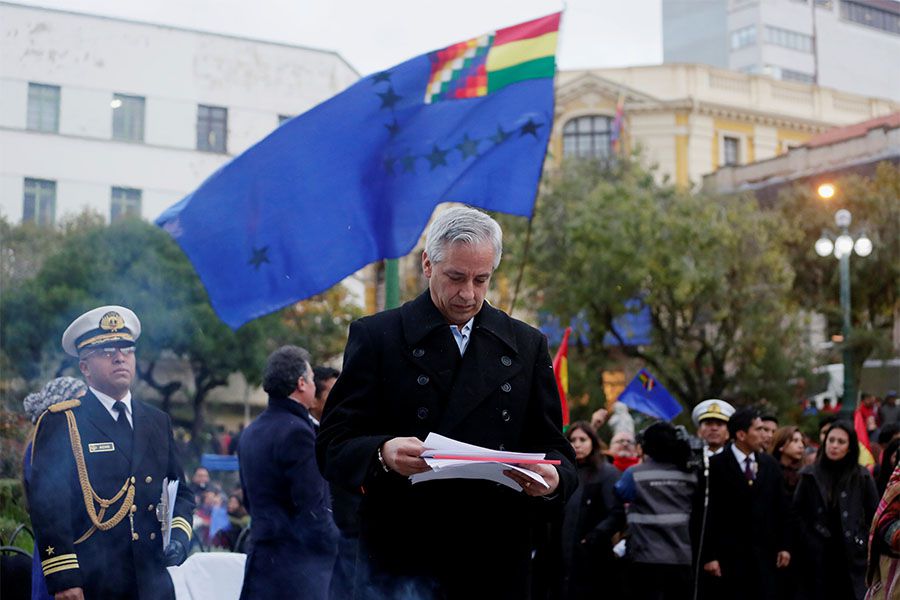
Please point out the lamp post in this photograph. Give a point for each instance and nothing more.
(841, 248)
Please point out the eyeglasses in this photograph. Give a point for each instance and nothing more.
(111, 352)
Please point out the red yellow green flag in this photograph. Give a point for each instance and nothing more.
(561, 371)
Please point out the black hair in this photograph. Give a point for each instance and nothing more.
(741, 420)
(768, 417)
(887, 433)
(588, 429)
(323, 374)
(852, 457)
(284, 367)
(888, 463)
(827, 420)
(660, 442)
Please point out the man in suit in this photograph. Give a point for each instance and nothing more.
(449, 363)
(98, 468)
(293, 536)
(748, 529)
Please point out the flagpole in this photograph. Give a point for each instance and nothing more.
(391, 283)
(512, 303)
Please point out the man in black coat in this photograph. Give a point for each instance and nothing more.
(449, 363)
(748, 527)
(106, 445)
(293, 536)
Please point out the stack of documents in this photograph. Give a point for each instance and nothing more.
(450, 459)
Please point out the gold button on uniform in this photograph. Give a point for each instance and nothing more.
(150, 508)
(132, 479)
(152, 536)
(135, 536)
(148, 479)
(133, 509)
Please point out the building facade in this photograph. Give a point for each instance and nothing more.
(689, 120)
(850, 45)
(126, 118)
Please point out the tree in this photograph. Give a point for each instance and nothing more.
(711, 270)
(137, 265)
(874, 280)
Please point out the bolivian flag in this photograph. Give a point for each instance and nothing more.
(561, 372)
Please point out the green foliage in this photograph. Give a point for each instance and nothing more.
(135, 264)
(712, 271)
(874, 280)
(14, 512)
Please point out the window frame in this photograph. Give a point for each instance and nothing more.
(37, 111)
(42, 192)
(208, 117)
(573, 137)
(128, 117)
(121, 200)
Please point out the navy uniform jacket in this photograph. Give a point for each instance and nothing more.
(403, 376)
(126, 561)
(294, 539)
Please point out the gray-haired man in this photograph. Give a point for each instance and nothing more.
(449, 363)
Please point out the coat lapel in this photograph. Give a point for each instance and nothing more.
(103, 421)
(142, 434)
(429, 344)
(491, 359)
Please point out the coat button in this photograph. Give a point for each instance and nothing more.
(847, 534)
(505, 415)
(845, 514)
(135, 536)
(422, 413)
(152, 536)
(422, 380)
(150, 508)
(506, 361)
(843, 494)
(418, 353)
(148, 479)
(506, 387)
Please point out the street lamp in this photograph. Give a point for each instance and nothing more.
(842, 247)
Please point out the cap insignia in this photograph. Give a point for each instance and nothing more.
(112, 321)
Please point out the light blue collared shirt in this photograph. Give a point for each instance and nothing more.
(462, 335)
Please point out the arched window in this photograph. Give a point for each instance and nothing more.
(588, 137)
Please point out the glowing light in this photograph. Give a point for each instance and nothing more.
(826, 191)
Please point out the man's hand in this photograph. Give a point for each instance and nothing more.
(713, 568)
(175, 554)
(403, 456)
(784, 559)
(69, 594)
(599, 418)
(532, 487)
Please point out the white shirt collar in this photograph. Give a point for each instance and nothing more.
(462, 335)
(741, 457)
(108, 401)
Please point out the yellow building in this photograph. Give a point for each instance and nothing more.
(689, 120)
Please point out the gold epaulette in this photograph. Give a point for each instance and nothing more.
(65, 405)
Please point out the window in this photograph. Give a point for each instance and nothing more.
(39, 202)
(791, 75)
(788, 39)
(128, 118)
(743, 37)
(125, 204)
(587, 137)
(871, 16)
(212, 127)
(731, 150)
(43, 107)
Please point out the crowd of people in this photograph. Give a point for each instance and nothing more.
(331, 504)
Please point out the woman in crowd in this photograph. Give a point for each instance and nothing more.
(238, 520)
(883, 574)
(835, 502)
(787, 449)
(592, 517)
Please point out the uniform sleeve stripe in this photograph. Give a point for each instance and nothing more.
(64, 567)
(182, 524)
(58, 559)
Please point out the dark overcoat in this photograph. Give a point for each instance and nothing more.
(127, 561)
(747, 525)
(403, 376)
(293, 536)
(856, 504)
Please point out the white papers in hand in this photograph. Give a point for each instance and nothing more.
(487, 464)
(167, 504)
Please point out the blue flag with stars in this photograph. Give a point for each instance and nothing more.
(647, 395)
(356, 179)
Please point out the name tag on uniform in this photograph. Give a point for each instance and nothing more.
(102, 447)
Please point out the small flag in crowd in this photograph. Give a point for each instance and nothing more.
(866, 458)
(561, 372)
(647, 395)
(355, 179)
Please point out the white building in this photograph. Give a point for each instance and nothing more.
(851, 45)
(126, 118)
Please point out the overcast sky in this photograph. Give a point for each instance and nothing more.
(376, 34)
